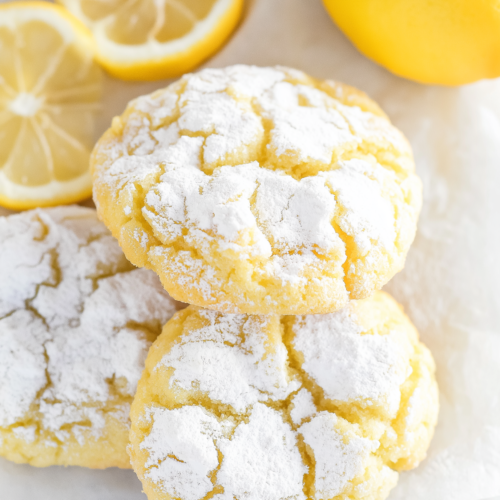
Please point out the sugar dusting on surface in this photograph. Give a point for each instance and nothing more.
(303, 406)
(336, 462)
(231, 347)
(349, 365)
(254, 423)
(262, 459)
(182, 450)
(74, 316)
(259, 161)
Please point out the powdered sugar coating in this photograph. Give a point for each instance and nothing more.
(183, 453)
(336, 462)
(181, 447)
(264, 448)
(303, 406)
(260, 190)
(351, 366)
(218, 352)
(73, 334)
(251, 413)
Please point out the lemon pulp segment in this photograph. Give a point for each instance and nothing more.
(50, 88)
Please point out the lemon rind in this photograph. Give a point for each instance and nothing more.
(168, 59)
(18, 197)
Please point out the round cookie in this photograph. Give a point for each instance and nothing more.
(76, 322)
(235, 407)
(259, 190)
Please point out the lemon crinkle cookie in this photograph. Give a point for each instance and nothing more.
(76, 321)
(259, 190)
(280, 407)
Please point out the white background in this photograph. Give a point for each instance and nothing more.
(450, 286)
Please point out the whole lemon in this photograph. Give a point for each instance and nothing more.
(448, 42)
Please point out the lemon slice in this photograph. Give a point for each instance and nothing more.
(50, 88)
(153, 39)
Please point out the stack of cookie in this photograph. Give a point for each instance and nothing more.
(277, 206)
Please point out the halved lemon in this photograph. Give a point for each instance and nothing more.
(153, 39)
(50, 87)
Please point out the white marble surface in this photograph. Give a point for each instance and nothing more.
(451, 284)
